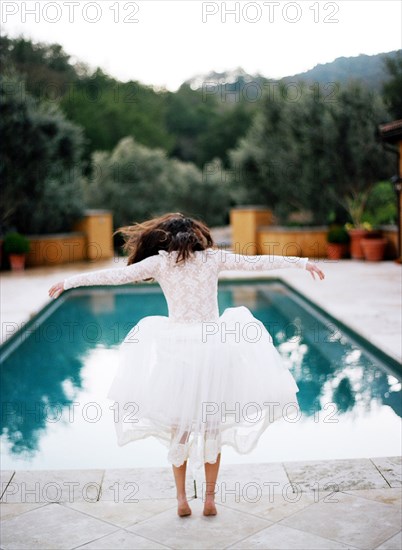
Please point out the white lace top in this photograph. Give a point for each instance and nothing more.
(190, 288)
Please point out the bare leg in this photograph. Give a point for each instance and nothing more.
(183, 509)
(179, 472)
(211, 475)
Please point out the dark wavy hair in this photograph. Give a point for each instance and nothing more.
(168, 232)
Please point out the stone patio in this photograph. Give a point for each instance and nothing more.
(348, 504)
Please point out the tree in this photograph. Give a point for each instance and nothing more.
(46, 68)
(40, 166)
(104, 107)
(392, 89)
(188, 116)
(311, 154)
(223, 133)
(137, 183)
(110, 110)
(357, 158)
(269, 162)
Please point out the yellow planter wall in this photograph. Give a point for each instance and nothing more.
(97, 225)
(91, 239)
(56, 249)
(253, 233)
(293, 242)
(245, 223)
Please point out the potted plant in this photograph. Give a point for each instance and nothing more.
(16, 246)
(373, 246)
(357, 233)
(337, 243)
(355, 204)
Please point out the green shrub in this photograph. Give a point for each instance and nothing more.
(15, 243)
(382, 204)
(137, 183)
(338, 235)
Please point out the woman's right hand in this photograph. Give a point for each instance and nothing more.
(56, 290)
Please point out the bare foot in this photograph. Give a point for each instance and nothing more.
(183, 509)
(209, 507)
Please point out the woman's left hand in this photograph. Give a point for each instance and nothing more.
(314, 269)
(56, 290)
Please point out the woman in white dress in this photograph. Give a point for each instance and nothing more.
(196, 380)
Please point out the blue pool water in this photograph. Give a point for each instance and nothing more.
(55, 375)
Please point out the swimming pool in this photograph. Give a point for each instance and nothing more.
(56, 372)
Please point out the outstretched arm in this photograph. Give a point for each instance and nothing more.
(230, 261)
(138, 271)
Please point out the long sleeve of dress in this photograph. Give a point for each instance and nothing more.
(147, 268)
(229, 261)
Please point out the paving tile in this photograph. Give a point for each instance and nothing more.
(198, 531)
(51, 526)
(335, 475)
(249, 482)
(5, 478)
(8, 511)
(123, 541)
(394, 543)
(280, 537)
(390, 468)
(124, 514)
(359, 522)
(386, 496)
(35, 486)
(130, 485)
(275, 507)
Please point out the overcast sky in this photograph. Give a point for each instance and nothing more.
(166, 42)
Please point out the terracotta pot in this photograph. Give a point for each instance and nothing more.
(374, 249)
(356, 235)
(337, 251)
(17, 262)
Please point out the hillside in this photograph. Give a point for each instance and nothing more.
(369, 69)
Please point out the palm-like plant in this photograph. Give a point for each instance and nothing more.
(355, 205)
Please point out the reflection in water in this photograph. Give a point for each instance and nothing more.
(322, 358)
(344, 395)
(42, 377)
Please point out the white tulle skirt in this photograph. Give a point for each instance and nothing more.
(199, 386)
